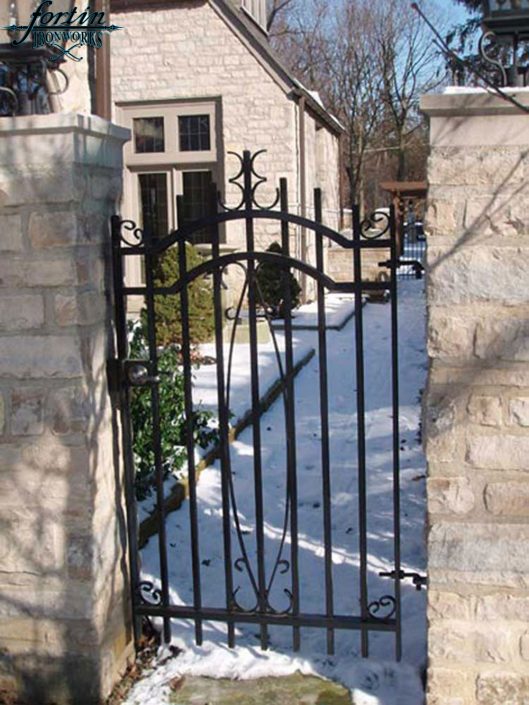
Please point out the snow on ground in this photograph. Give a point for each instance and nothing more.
(379, 680)
(205, 391)
(339, 308)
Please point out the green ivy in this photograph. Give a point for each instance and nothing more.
(173, 427)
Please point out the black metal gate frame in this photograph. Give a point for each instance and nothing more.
(375, 233)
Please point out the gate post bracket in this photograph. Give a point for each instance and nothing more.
(420, 581)
(114, 379)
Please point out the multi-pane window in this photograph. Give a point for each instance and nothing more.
(154, 204)
(173, 152)
(196, 201)
(194, 132)
(148, 135)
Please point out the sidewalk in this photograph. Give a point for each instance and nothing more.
(339, 310)
(294, 690)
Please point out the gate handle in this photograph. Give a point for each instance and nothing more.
(139, 376)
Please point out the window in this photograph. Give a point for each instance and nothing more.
(154, 204)
(196, 201)
(194, 133)
(149, 135)
(173, 153)
(166, 133)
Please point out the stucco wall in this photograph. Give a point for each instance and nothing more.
(477, 402)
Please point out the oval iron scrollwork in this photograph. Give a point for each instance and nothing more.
(375, 225)
(281, 566)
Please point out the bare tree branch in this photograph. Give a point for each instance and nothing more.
(275, 9)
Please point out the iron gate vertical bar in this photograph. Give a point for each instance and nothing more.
(360, 413)
(256, 402)
(156, 431)
(120, 317)
(396, 429)
(190, 445)
(324, 412)
(225, 462)
(290, 419)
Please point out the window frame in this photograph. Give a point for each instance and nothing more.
(172, 160)
(170, 111)
(175, 187)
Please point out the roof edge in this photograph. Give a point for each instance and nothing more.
(285, 76)
(258, 40)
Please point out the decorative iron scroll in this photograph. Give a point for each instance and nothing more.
(493, 61)
(376, 608)
(137, 236)
(243, 564)
(375, 225)
(251, 182)
(149, 594)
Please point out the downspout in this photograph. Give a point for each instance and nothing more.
(100, 70)
(341, 184)
(303, 189)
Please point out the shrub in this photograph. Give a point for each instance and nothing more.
(271, 283)
(172, 418)
(168, 309)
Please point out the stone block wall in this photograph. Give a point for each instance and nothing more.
(64, 617)
(201, 54)
(477, 405)
(198, 55)
(340, 264)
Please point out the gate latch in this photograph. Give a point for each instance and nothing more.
(418, 267)
(420, 581)
(139, 374)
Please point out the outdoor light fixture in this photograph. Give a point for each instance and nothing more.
(506, 25)
(26, 86)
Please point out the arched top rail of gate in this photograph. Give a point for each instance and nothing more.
(209, 266)
(366, 233)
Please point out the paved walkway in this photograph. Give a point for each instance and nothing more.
(296, 690)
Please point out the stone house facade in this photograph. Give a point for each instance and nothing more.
(197, 79)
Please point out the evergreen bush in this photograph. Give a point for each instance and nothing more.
(168, 308)
(271, 285)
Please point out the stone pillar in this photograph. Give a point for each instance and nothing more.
(65, 630)
(477, 404)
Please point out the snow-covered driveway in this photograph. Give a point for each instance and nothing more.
(379, 680)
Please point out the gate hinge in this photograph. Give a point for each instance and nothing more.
(420, 581)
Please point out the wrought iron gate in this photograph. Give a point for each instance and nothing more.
(376, 613)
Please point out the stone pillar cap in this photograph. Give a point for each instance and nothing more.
(460, 101)
(63, 122)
